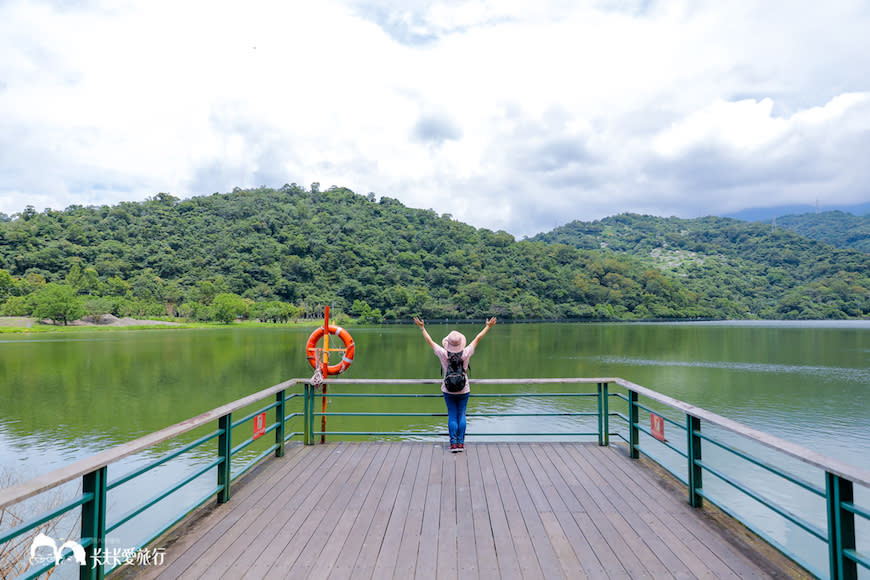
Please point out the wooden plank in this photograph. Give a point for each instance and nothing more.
(678, 556)
(199, 538)
(405, 539)
(254, 509)
(680, 523)
(728, 560)
(285, 537)
(508, 560)
(634, 555)
(242, 544)
(525, 550)
(402, 510)
(649, 549)
(348, 512)
(576, 498)
(427, 552)
(596, 486)
(484, 541)
(350, 550)
(523, 381)
(396, 526)
(466, 539)
(561, 527)
(560, 496)
(447, 566)
(636, 544)
(296, 559)
(599, 558)
(331, 532)
(518, 475)
(282, 505)
(380, 541)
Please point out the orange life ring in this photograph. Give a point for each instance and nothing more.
(345, 337)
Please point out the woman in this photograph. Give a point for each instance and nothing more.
(456, 400)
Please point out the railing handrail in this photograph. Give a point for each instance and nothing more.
(77, 469)
(51, 479)
(851, 472)
(526, 381)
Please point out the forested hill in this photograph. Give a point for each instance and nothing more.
(744, 269)
(841, 229)
(289, 251)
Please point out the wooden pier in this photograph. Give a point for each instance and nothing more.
(499, 510)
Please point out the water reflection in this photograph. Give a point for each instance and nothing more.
(66, 397)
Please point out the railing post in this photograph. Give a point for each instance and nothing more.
(306, 415)
(633, 435)
(693, 452)
(94, 525)
(279, 418)
(225, 446)
(841, 527)
(323, 401)
(603, 415)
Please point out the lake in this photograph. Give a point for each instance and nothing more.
(65, 396)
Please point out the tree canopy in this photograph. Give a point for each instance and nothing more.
(278, 254)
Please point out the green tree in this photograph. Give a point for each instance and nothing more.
(83, 281)
(7, 284)
(57, 302)
(227, 307)
(98, 306)
(116, 286)
(17, 306)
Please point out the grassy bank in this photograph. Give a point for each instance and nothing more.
(20, 324)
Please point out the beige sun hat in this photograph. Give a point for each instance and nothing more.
(454, 342)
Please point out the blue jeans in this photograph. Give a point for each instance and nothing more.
(456, 405)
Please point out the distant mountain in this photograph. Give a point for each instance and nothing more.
(259, 249)
(372, 259)
(766, 214)
(843, 230)
(744, 269)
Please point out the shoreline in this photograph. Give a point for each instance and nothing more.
(29, 324)
(24, 324)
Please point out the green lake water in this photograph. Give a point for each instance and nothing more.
(66, 396)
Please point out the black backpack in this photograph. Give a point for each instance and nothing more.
(454, 378)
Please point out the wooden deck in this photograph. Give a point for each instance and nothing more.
(499, 510)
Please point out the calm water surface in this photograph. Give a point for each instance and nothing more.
(64, 397)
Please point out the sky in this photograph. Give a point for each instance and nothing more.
(508, 115)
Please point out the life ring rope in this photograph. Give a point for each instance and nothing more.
(348, 350)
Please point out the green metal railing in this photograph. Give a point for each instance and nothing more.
(836, 496)
(93, 471)
(311, 393)
(701, 430)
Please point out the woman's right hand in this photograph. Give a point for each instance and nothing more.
(418, 322)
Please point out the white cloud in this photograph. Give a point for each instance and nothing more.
(502, 114)
(748, 126)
